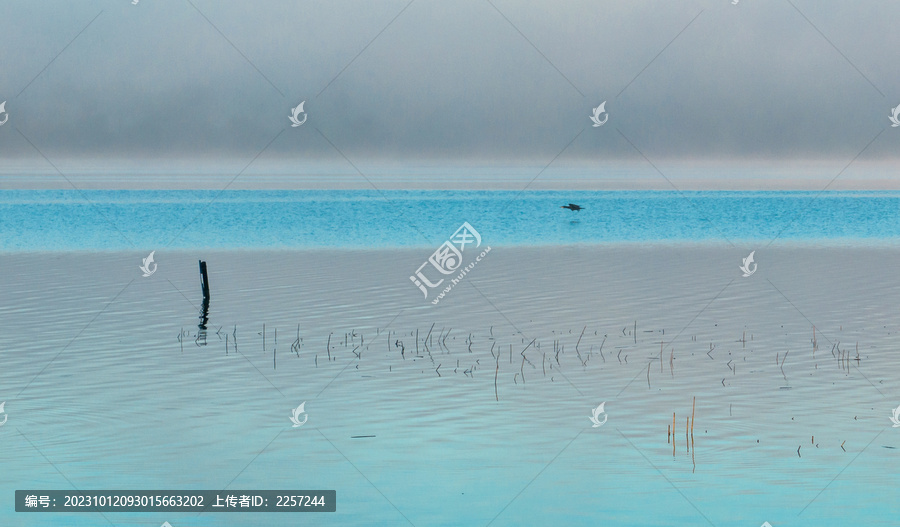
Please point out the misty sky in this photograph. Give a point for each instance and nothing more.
(169, 84)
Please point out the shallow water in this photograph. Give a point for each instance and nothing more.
(101, 394)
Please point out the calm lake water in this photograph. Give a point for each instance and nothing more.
(479, 406)
(113, 220)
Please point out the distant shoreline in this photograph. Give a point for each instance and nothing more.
(442, 183)
(453, 174)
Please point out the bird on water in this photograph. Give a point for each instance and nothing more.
(572, 206)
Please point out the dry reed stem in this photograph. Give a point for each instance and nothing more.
(672, 363)
(673, 433)
(693, 407)
(496, 372)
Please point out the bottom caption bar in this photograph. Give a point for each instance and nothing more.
(176, 501)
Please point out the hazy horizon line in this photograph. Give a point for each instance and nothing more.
(466, 174)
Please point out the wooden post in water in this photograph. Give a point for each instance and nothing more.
(204, 281)
(204, 307)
